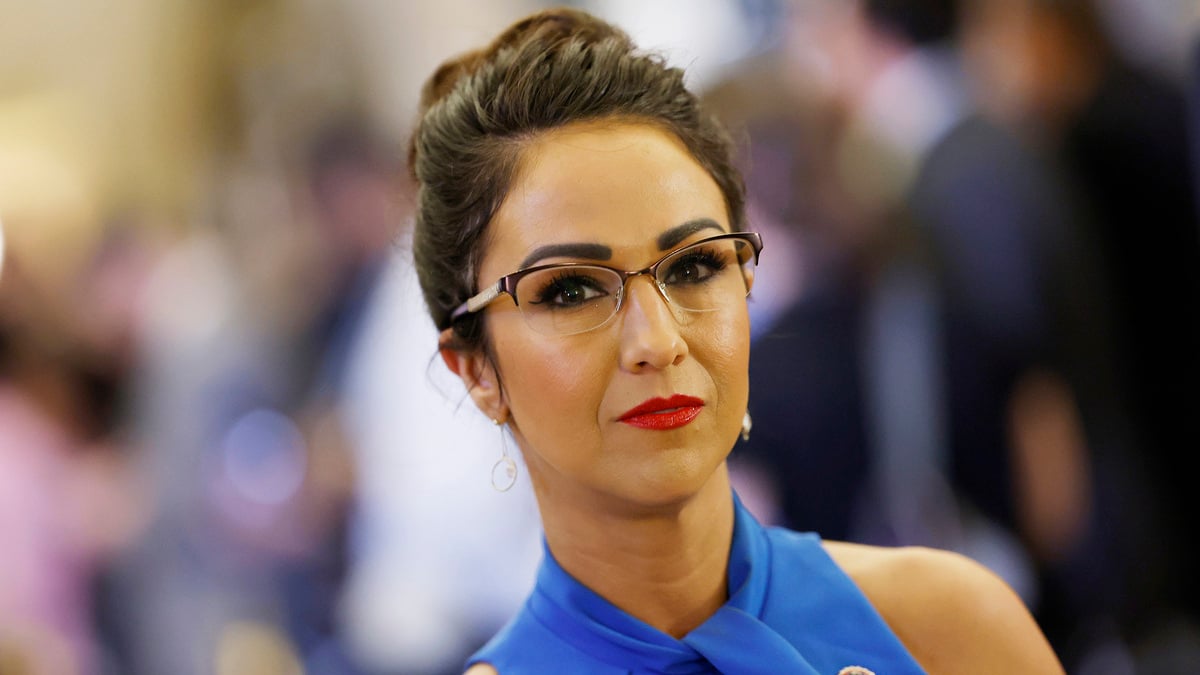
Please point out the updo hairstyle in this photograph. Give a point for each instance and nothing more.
(480, 110)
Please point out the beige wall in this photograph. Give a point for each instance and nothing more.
(102, 105)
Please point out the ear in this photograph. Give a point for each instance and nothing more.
(478, 376)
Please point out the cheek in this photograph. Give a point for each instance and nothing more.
(556, 386)
(724, 348)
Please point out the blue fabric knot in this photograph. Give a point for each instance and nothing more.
(736, 642)
(790, 610)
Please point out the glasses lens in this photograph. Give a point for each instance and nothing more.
(568, 299)
(708, 275)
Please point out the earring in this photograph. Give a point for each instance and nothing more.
(747, 424)
(504, 471)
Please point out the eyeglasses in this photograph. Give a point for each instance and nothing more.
(571, 298)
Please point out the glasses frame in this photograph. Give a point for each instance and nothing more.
(507, 284)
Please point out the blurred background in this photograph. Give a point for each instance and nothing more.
(226, 445)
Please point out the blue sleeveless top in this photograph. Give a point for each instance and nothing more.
(791, 610)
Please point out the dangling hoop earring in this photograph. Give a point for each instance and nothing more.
(747, 424)
(504, 471)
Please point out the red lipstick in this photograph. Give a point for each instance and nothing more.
(663, 413)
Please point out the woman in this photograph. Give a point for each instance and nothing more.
(580, 241)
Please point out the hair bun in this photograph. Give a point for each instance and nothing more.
(555, 26)
(546, 30)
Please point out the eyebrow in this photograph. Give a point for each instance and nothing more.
(666, 240)
(676, 234)
(589, 251)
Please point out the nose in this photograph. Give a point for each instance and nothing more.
(650, 335)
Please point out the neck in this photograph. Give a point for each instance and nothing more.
(666, 566)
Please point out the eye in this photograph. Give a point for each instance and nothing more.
(569, 289)
(694, 267)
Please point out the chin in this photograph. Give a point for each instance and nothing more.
(675, 479)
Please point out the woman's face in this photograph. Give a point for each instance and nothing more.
(620, 195)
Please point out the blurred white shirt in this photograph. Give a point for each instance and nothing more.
(440, 559)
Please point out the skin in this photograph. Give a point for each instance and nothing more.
(645, 517)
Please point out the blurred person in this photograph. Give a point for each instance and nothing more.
(242, 337)
(261, 411)
(355, 214)
(937, 349)
(371, 402)
(584, 158)
(221, 463)
(247, 339)
(43, 603)
(384, 566)
(247, 483)
(1052, 71)
(891, 70)
(252, 470)
(67, 499)
(439, 560)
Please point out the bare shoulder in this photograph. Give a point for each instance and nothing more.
(481, 669)
(952, 613)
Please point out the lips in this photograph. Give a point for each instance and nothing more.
(663, 413)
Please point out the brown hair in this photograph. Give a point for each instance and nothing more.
(548, 70)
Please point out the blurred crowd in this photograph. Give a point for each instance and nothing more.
(227, 445)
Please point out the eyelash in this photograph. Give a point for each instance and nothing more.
(554, 286)
(706, 258)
